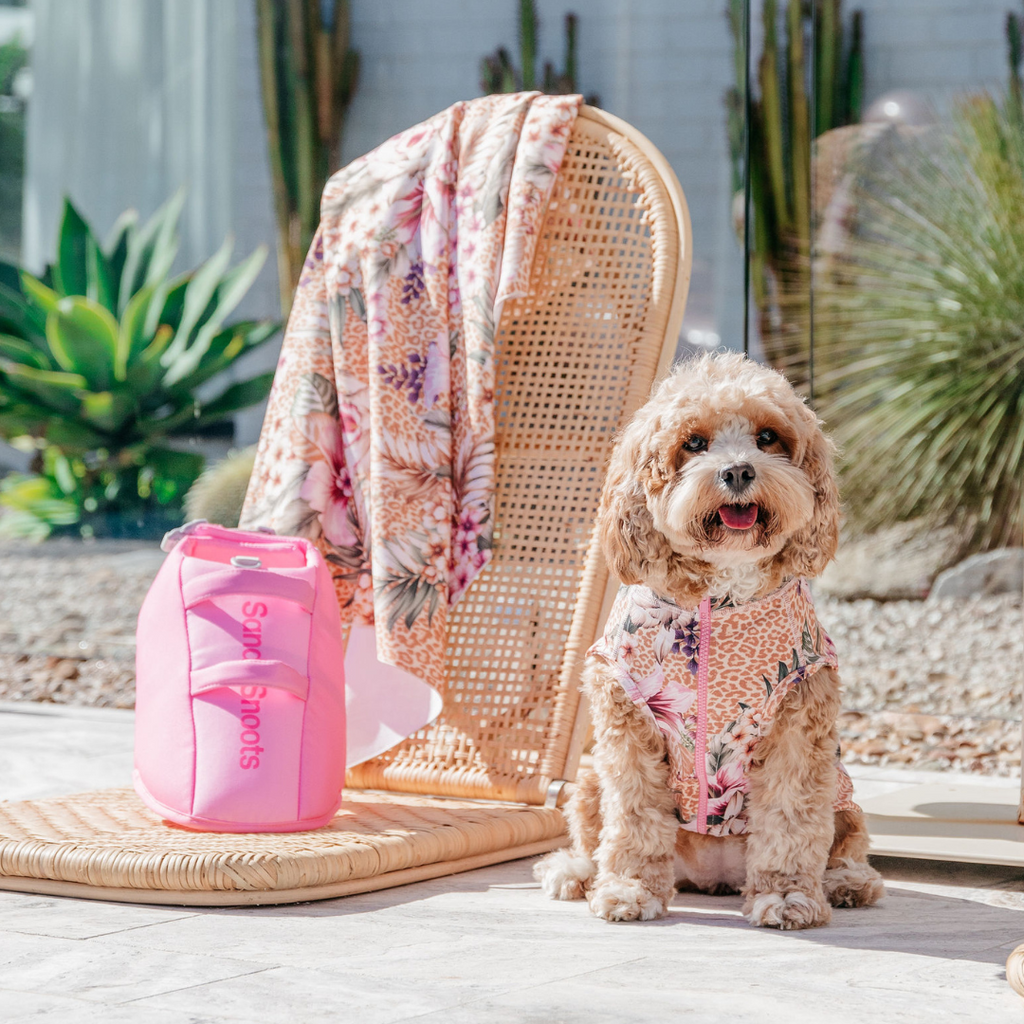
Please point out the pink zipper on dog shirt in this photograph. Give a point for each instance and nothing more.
(700, 754)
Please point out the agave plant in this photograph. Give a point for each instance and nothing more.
(921, 329)
(105, 359)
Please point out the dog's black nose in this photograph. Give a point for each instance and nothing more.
(738, 476)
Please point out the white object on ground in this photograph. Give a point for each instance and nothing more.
(383, 704)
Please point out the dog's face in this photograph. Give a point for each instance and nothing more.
(724, 465)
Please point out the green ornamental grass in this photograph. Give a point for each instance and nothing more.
(920, 329)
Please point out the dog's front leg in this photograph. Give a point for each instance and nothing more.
(635, 878)
(792, 792)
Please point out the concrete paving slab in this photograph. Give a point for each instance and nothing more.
(486, 947)
(48, 916)
(53, 749)
(87, 970)
(59, 1010)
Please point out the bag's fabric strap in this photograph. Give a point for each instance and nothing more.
(258, 582)
(277, 675)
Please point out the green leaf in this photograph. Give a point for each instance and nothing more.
(198, 295)
(10, 276)
(173, 304)
(57, 389)
(116, 247)
(19, 419)
(83, 338)
(238, 396)
(44, 297)
(225, 348)
(101, 279)
(71, 435)
(107, 410)
(82, 267)
(146, 371)
(165, 241)
(132, 338)
(20, 351)
(59, 467)
(70, 274)
(229, 293)
(118, 243)
(19, 316)
(151, 250)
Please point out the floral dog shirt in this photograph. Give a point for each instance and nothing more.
(713, 678)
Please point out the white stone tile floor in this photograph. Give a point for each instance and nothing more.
(486, 947)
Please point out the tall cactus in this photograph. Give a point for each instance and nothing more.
(308, 75)
(781, 134)
(1014, 55)
(499, 74)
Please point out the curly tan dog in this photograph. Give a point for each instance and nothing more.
(720, 497)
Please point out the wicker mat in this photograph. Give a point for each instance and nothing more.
(108, 846)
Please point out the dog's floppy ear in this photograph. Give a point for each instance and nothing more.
(625, 530)
(810, 549)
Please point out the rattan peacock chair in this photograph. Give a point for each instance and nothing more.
(575, 358)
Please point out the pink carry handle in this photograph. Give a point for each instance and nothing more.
(271, 673)
(247, 581)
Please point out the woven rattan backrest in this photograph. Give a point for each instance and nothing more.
(575, 358)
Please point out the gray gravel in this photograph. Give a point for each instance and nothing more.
(936, 684)
(933, 684)
(67, 620)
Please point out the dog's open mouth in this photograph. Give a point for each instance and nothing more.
(738, 517)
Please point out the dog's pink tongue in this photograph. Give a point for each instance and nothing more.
(738, 517)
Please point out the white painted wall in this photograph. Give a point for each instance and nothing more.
(938, 47)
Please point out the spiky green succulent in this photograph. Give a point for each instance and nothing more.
(920, 329)
(106, 360)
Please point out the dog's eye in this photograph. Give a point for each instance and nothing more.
(696, 443)
(766, 437)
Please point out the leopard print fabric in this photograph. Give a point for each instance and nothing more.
(759, 651)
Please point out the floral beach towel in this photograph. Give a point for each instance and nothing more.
(379, 436)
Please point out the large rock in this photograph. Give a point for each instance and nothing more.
(897, 563)
(995, 572)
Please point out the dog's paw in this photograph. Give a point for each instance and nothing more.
(853, 884)
(789, 910)
(564, 875)
(626, 899)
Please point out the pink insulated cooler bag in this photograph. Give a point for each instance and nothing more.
(240, 688)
